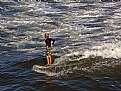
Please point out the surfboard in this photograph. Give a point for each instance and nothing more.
(43, 70)
(40, 69)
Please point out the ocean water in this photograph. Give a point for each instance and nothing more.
(86, 54)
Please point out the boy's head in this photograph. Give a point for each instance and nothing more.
(46, 35)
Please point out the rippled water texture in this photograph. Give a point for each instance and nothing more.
(86, 54)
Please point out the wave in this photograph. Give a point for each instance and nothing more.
(104, 59)
(92, 66)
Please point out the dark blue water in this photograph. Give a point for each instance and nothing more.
(86, 54)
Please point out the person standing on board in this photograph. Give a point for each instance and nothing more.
(49, 43)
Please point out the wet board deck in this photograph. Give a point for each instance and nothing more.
(44, 70)
(41, 69)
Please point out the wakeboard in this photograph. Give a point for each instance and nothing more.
(41, 69)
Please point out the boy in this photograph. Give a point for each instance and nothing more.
(49, 43)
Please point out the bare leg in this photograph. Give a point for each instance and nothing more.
(47, 58)
(50, 59)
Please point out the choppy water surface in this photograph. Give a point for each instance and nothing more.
(87, 51)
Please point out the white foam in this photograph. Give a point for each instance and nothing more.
(107, 50)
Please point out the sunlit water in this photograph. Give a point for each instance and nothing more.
(86, 54)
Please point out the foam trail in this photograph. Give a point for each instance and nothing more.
(109, 50)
